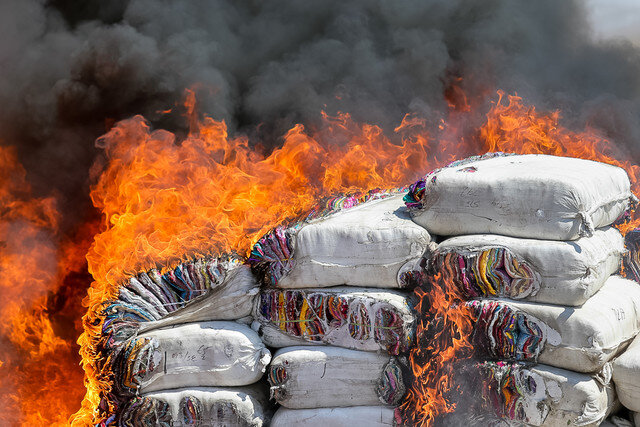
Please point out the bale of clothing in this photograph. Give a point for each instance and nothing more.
(530, 242)
(178, 349)
(335, 302)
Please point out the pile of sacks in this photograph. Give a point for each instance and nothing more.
(335, 305)
(178, 349)
(528, 242)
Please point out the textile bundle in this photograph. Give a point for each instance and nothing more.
(355, 416)
(632, 258)
(217, 353)
(366, 242)
(196, 407)
(543, 395)
(539, 197)
(358, 318)
(582, 338)
(223, 285)
(501, 332)
(547, 271)
(326, 376)
(626, 376)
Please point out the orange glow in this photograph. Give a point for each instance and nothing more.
(442, 338)
(211, 193)
(514, 127)
(164, 200)
(40, 383)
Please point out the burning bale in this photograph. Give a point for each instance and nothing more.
(172, 330)
(552, 245)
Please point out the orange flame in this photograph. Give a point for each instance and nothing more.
(517, 128)
(442, 338)
(40, 383)
(163, 201)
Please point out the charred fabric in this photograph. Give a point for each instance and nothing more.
(325, 323)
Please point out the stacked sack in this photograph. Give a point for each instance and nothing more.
(178, 349)
(334, 302)
(530, 246)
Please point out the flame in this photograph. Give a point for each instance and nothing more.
(165, 201)
(443, 338)
(515, 127)
(40, 383)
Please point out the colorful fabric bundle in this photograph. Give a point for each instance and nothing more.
(210, 406)
(145, 412)
(632, 258)
(531, 196)
(213, 289)
(564, 273)
(317, 377)
(501, 332)
(362, 319)
(543, 395)
(626, 376)
(205, 354)
(369, 243)
(587, 336)
(355, 416)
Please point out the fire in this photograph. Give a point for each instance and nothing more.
(515, 127)
(164, 200)
(39, 379)
(443, 338)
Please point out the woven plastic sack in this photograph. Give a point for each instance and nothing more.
(543, 395)
(369, 244)
(547, 271)
(200, 290)
(581, 339)
(197, 407)
(357, 416)
(626, 376)
(204, 354)
(316, 377)
(532, 196)
(357, 318)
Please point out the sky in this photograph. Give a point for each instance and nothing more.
(616, 18)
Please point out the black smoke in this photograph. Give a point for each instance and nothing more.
(69, 70)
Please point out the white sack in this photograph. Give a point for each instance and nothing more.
(366, 245)
(533, 196)
(316, 377)
(357, 318)
(357, 416)
(636, 419)
(581, 338)
(231, 299)
(200, 406)
(547, 271)
(544, 395)
(205, 354)
(626, 376)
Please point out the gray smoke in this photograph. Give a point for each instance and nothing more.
(69, 71)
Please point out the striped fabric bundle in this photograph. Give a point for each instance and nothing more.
(548, 271)
(368, 242)
(200, 406)
(272, 255)
(542, 395)
(222, 288)
(502, 332)
(358, 318)
(327, 376)
(489, 272)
